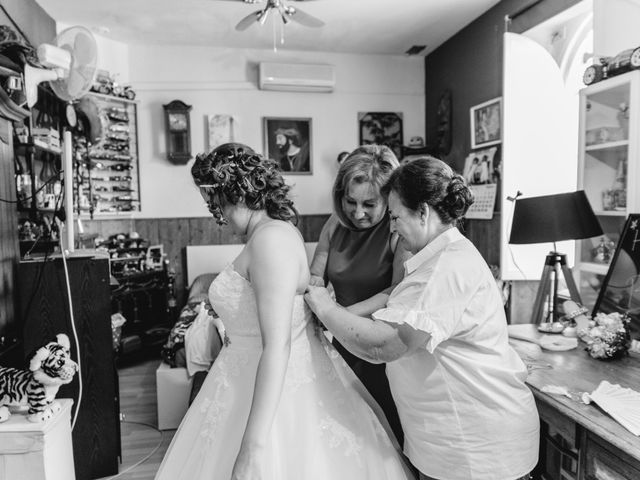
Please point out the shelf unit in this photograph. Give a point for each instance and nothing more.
(107, 171)
(609, 149)
(38, 174)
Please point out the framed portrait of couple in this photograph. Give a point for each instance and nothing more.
(288, 142)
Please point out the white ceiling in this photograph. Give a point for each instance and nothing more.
(351, 26)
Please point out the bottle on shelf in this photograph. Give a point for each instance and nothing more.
(619, 186)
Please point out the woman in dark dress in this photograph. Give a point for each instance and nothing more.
(359, 257)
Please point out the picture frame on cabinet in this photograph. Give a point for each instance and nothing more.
(486, 123)
(288, 142)
(155, 256)
(381, 128)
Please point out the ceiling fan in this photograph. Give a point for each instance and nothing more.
(287, 13)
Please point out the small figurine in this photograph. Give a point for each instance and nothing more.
(603, 251)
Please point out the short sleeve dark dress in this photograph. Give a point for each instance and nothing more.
(359, 265)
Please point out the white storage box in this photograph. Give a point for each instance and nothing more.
(173, 387)
(37, 451)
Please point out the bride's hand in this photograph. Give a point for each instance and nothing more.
(247, 466)
(319, 299)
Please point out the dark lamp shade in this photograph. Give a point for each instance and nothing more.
(553, 218)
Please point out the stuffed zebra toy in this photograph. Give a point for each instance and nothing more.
(50, 367)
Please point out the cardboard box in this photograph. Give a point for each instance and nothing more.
(173, 387)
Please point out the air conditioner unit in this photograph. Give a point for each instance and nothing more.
(297, 77)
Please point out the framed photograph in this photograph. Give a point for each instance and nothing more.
(288, 142)
(479, 168)
(486, 123)
(480, 174)
(620, 289)
(381, 128)
(155, 256)
(221, 130)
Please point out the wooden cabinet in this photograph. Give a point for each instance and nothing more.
(609, 154)
(106, 157)
(580, 441)
(559, 454)
(605, 463)
(44, 312)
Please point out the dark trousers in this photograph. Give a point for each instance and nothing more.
(374, 378)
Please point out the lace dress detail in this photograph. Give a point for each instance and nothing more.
(324, 428)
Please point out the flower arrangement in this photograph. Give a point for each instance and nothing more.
(607, 336)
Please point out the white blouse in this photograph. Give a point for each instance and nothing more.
(465, 409)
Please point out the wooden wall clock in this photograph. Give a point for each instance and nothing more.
(178, 132)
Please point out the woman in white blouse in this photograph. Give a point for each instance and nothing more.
(458, 385)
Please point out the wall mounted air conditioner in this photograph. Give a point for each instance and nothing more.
(296, 77)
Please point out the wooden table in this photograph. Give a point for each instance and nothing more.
(580, 441)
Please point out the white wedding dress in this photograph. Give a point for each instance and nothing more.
(323, 428)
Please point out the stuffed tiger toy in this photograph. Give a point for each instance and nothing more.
(50, 367)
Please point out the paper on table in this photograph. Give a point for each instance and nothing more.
(623, 404)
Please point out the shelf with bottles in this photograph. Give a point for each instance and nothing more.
(38, 178)
(606, 145)
(107, 176)
(129, 254)
(608, 155)
(38, 235)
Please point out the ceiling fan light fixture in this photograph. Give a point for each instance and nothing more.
(287, 13)
(285, 16)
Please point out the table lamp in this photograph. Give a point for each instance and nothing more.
(553, 218)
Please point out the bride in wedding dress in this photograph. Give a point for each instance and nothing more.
(279, 403)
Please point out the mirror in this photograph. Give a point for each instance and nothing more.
(620, 291)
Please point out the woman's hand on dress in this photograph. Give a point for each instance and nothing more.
(316, 281)
(319, 300)
(247, 466)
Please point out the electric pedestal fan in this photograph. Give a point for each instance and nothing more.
(71, 69)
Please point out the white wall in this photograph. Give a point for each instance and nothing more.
(224, 81)
(615, 25)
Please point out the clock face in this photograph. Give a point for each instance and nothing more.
(177, 122)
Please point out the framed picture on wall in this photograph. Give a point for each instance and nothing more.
(381, 128)
(288, 142)
(486, 123)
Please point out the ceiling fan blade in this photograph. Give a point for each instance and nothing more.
(303, 18)
(247, 21)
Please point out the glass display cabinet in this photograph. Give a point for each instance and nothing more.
(607, 171)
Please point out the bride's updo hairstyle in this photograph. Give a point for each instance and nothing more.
(429, 180)
(234, 173)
